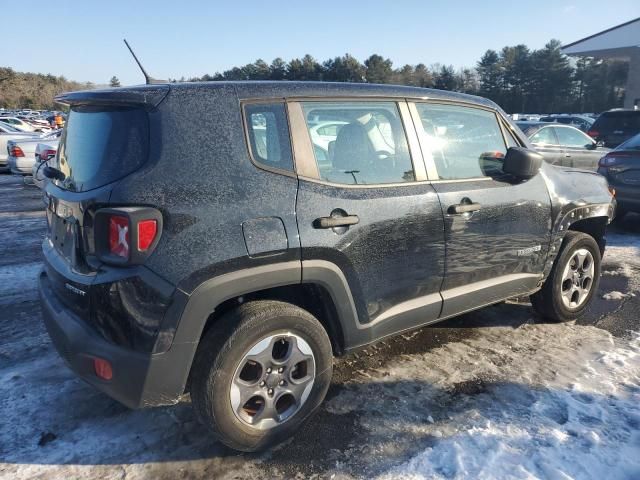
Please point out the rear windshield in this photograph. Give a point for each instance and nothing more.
(101, 145)
(625, 121)
(632, 144)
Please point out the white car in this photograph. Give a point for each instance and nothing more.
(7, 132)
(44, 151)
(323, 133)
(22, 152)
(19, 124)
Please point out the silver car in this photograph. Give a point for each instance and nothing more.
(22, 153)
(7, 132)
(45, 151)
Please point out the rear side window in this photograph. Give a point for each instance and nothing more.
(464, 142)
(268, 135)
(359, 143)
(544, 136)
(101, 145)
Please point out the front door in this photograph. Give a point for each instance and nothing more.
(580, 150)
(362, 208)
(546, 143)
(497, 231)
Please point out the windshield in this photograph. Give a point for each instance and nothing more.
(100, 145)
(632, 144)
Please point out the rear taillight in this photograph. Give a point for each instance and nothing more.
(593, 133)
(126, 235)
(147, 230)
(47, 154)
(119, 236)
(613, 158)
(16, 151)
(102, 369)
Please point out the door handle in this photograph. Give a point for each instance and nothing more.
(333, 222)
(463, 208)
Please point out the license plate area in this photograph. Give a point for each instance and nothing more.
(64, 234)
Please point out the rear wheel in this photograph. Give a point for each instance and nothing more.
(573, 280)
(259, 372)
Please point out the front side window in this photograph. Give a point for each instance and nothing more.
(544, 136)
(464, 142)
(268, 133)
(358, 143)
(572, 138)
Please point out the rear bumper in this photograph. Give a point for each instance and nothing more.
(139, 379)
(627, 197)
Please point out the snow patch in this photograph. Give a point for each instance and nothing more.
(582, 422)
(19, 283)
(615, 295)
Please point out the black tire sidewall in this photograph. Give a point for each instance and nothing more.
(574, 243)
(256, 324)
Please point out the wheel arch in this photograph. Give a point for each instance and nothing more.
(318, 287)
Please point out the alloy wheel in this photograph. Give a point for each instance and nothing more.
(272, 381)
(577, 279)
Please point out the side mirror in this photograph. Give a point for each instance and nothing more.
(522, 162)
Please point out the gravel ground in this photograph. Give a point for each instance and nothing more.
(492, 394)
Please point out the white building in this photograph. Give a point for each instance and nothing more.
(621, 42)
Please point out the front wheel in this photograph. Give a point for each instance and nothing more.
(573, 280)
(259, 372)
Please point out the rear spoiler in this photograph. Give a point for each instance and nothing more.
(144, 96)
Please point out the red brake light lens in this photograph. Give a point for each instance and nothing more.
(102, 368)
(16, 152)
(593, 133)
(147, 230)
(47, 154)
(119, 236)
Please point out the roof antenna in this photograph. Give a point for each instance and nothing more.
(148, 80)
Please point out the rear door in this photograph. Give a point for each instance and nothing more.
(496, 248)
(545, 141)
(364, 205)
(580, 150)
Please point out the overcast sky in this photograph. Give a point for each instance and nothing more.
(82, 39)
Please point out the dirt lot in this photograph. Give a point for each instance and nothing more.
(495, 393)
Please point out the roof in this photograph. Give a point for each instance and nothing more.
(153, 94)
(612, 42)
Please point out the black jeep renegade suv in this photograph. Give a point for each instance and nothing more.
(228, 239)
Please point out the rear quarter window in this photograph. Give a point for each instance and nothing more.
(268, 135)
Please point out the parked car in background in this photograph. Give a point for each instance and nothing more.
(615, 127)
(22, 152)
(44, 152)
(563, 145)
(621, 167)
(7, 132)
(21, 125)
(579, 121)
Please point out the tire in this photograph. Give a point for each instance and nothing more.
(218, 380)
(550, 302)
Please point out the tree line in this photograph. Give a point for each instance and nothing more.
(517, 78)
(34, 90)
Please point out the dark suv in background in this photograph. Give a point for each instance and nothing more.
(615, 127)
(238, 275)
